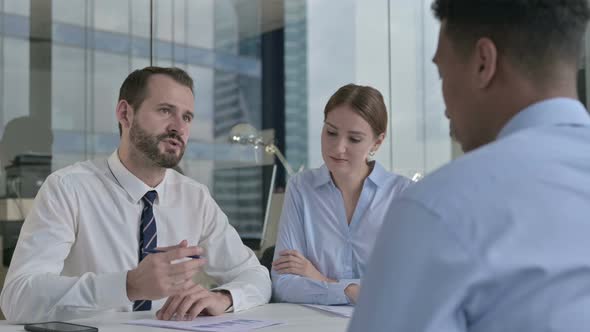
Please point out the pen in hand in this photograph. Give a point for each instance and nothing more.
(156, 251)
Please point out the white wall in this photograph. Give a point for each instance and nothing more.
(420, 140)
(372, 60)
(331, 45)
(387, 44)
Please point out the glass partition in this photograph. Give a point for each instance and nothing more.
(270, 63)
(62, 63)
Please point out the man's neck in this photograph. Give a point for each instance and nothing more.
(140, 166)
(527, 93)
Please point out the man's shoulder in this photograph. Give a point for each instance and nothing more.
(82, 170)
(467, 180)
(505, 167)
(175, 178)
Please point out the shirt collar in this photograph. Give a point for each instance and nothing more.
(377, 175)
(546, 113)
(322, 177)
(131, 183)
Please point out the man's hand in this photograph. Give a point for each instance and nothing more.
(293, 262)
(191, 303)
(352, 292)
(157, 276)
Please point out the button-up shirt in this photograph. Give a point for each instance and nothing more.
(81, 238)
(498, 240)
(314, 222)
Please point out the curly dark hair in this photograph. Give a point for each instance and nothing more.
(532, 33)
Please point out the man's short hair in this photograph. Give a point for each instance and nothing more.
(134, 88)
(531, 33)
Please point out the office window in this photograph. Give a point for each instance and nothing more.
(62, 63)
(270, 63)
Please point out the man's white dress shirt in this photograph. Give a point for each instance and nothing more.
(81, 238)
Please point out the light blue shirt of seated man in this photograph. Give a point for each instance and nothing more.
(499, 240)
(314, 223)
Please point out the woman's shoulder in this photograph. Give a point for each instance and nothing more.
(310, 177)
(383, 177)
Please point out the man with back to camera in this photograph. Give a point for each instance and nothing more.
(88, 244)
(498, 239)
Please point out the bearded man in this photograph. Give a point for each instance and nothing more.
(129, 232)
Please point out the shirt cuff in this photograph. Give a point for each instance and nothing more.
(223, 290)
(235, 294)
(111, 290)
(336, 291)
(348, 282)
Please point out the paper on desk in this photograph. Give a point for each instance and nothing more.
(209, 324)
(340, 310)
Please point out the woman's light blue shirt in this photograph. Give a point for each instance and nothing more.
(313, 222)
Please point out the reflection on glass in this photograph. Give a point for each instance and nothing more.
(95, 44)
(244, 133)
(417, 177)
(413, 174)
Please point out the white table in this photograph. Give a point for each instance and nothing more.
(298, 318)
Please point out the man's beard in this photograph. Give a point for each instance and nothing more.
(148, 145)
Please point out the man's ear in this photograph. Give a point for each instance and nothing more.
(486, 60)
(124, 114)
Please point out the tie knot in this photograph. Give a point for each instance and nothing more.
(150, 196)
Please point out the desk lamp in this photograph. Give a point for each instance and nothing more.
(246, 134)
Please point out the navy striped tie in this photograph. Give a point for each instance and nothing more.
(148, 239)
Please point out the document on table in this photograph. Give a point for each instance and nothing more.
(340, 310)
(225, 323)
